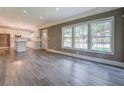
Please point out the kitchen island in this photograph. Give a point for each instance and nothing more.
(20, 44)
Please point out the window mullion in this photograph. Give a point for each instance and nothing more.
(62, 38)
(73, 37)
(89, 37)
(112, 36)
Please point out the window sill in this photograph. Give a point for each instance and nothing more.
(86, 50)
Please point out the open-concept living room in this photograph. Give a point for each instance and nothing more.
(61, 46)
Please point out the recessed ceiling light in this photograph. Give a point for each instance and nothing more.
(41, 17)
(57, 9)
(25, 11)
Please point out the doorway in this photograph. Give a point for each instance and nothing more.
(4, 40)
(44, 39)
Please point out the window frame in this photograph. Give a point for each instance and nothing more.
(89, 42)
(62, 43)
(112, 34)
(78, 24)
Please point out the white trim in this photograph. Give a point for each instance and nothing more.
(98, 60)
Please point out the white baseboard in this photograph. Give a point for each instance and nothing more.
(98, 60)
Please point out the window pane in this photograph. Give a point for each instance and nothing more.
(101, 36)
(80, 36)
(67, 37)
(67, 42)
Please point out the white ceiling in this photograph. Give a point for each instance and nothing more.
(15, 17)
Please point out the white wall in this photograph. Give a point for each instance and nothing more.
(35, 39)
(24, 34)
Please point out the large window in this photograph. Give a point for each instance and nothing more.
(67, 37)
(94, 36)
(101, 36)
(80, 36)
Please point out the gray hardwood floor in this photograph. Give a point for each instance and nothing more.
(41, 68)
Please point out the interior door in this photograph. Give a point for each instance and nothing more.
(44, 39)
(4, 40)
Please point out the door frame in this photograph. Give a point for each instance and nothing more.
(42, 38)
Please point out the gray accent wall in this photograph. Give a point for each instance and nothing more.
(55, 36)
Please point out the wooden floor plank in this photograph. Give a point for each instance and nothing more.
(42, 68)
